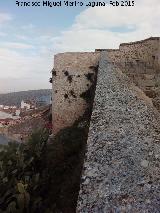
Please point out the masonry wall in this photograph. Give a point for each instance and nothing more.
(146, 51)
(73, 75)
(141, 62)
(122, 154)
(121, 169)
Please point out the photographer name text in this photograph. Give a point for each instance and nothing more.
(74, 3)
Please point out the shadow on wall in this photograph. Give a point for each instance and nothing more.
(66, 153)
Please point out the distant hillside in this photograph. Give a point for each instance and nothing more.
(15, 98)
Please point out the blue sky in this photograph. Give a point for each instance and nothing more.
(29, 37)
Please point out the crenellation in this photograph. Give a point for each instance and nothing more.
(141, 42)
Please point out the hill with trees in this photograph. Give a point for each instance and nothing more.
(15, 98)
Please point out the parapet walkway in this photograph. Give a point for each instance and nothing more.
(122, 166)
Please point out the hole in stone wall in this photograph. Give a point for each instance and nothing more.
(72, 94)
(94, 68)
(88, 95)
(90, 76)
(69, 79)
(65, 96)
(54, 72)
(154, 57)
(66, 73)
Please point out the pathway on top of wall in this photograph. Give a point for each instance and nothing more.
(122, 166)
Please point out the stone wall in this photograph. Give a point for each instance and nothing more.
(146, 51)
(141, 62)
(122, 167)
(73, 75)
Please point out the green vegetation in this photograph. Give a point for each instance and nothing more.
(21, 173)
(43, 176)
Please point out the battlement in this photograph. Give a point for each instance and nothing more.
(142, 41)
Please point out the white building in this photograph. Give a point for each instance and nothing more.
(25, 105)
(17, 112)
(13, 107)
(6, 107)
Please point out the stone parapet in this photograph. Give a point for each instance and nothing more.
(122, 167)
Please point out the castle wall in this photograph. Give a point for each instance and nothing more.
(73, 75)
(140, 61)
(146, 51)
(122, 148)
(121, 167)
